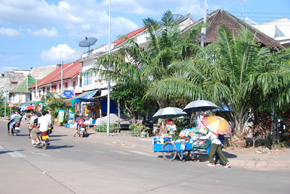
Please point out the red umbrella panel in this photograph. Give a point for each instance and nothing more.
(30, 107)
(217, 124)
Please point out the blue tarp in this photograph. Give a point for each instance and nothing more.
(113, 106)
(87, 97)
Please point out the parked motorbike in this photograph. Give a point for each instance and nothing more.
(43, 141)
(82, 131)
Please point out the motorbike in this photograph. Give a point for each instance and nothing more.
(43, 140)
(16, 129)
(82, 131)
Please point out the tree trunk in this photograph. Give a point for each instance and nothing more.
(238, 136)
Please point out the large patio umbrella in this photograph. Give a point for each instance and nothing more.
(199, 105)
(217, 124)
(169, 112)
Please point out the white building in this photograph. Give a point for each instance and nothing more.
(277, 29)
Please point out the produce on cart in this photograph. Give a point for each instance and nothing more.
(188, 142)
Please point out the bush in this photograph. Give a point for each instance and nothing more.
(103, 128)
(136, 129)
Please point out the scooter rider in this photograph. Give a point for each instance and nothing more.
(17, 119)
(80, 121)
(11, 120)
(42, 126)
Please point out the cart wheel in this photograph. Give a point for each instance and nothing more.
(170, 153)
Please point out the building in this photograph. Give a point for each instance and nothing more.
(66, 78)
(277, 29)
(20, 93)
(223, 18)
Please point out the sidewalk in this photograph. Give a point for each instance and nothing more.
(250, 158)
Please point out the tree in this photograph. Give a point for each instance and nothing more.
(130, 97)
(54, 103)
(145, 67)
(234, 71)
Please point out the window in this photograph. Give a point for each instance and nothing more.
(87, 78)
(74, 85)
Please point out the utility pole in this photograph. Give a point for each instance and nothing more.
(203, 30)
(108, 98)
(36, 96)
(5, 93)
(61, 80)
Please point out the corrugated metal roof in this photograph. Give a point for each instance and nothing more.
(70, 70)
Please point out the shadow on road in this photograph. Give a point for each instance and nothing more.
(58, 147)
(10, 151)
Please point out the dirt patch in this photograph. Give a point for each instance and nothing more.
(257, 151)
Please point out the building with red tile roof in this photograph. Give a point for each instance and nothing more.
(67, 73)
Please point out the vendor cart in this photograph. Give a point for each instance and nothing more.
(170, 149)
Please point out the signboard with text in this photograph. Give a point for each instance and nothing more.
(68, 93)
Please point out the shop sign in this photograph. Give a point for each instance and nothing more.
(68, 93)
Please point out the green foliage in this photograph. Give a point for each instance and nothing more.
(130, 95)
(103, 128)
(55, 103)
(136, 129)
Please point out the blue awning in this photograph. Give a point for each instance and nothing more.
(85, 97)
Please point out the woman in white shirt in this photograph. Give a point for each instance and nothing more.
(216, 146)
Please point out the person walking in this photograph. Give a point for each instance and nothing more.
(216, 146)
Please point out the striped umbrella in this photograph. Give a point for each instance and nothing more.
(217, 124)
(169, 112)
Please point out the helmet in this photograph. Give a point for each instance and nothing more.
(80, 114)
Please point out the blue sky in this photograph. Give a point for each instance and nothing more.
(45, 32)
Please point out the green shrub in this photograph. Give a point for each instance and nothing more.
(136, 129)
(103, 128)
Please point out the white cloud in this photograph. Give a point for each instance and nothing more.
(9, 32)
(44, 32)
(5, 69)
(61, 52)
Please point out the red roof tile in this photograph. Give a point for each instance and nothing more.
(70, 70)
(129, 35)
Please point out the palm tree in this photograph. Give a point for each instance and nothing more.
(233, 71)
(164, 45)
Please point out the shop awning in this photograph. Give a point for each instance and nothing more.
(29, 103)
(103, 94)
(85, 97)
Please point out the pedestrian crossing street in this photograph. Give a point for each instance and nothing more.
(42, 154)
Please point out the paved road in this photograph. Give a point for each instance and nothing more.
(84, 165)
